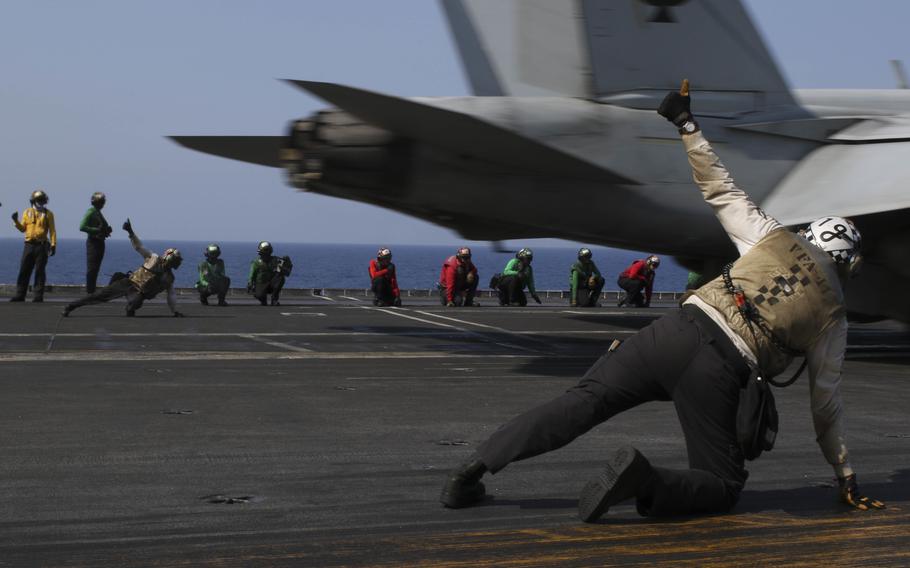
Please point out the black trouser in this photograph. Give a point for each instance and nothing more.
(94, 254)
(463, 295)
(116, 289)
(635, 290)
(217, 288)
(273, 287)
(587, 296)
(511, 291)
(382, 290)
(683, 357)
(34, 257)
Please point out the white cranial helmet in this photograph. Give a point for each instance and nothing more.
(838, 237)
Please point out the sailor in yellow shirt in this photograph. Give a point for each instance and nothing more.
(40, 241)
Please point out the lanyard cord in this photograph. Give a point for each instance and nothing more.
(751, 316)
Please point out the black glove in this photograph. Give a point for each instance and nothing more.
(15, 216)
(536, 298)
(128, 227)
(675, 106)
(849, 494)
(178, 314)
(108, 230)
(53, 250)
(250, 288)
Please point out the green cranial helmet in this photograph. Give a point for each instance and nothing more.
(265, 248)
(212, 251)
(525, 254)
(584, 254)
(172, 258)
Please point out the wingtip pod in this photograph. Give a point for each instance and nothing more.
(684, 88)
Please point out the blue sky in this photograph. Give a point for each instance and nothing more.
(89, 90)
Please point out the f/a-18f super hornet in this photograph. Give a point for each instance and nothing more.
(561, 138)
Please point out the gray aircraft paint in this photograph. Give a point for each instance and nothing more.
(575, 150)
(483, 80)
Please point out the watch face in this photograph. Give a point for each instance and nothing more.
(689, 127)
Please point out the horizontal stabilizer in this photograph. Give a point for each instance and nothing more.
(878, 129)
(457, 132)
(815, 129)
(846, 180)
(261, 150)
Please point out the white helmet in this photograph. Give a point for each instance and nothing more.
(838, 237)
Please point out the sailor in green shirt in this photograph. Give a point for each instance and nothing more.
(585, 280)
(267, 274)
(515, 276)
(96, 227)
(212, 279)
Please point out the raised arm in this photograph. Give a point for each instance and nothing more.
(743, 220)
(134, 240)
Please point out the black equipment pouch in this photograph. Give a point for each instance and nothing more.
(494, 280)
(756, 418)
(285, 265)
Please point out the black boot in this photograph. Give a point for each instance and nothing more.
(463, 487)
(203, 299)
(623, 477)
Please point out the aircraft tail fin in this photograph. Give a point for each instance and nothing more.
(652, 44)
(521, 47)
(617, 50)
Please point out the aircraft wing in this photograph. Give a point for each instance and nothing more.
(261, 150)
(458, 132)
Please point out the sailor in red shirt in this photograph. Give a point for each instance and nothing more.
(458, 280)
(384, 282)
(638, 282)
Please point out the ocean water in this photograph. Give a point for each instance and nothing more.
(335, 265)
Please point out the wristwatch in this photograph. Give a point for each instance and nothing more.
(688, 127)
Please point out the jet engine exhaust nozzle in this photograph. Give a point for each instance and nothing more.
(334, 149)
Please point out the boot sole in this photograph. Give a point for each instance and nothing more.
(617, 482)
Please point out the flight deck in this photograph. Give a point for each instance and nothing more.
(319, 433)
